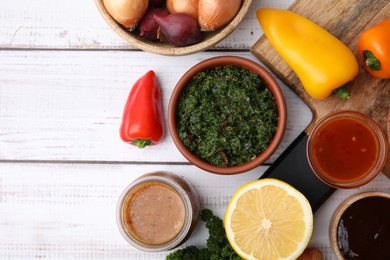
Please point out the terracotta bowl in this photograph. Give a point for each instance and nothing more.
(209, 40)
(273, 86)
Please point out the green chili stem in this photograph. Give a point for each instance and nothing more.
(141, 143)
(372, 62)
(342, 92)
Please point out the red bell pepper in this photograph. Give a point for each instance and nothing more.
(142, 121)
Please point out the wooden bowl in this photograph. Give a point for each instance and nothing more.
(209, 40)
(272, 85)
(340, 210)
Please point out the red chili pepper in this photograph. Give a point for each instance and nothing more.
(142, 121)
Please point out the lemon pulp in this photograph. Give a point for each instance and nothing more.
(268, 219)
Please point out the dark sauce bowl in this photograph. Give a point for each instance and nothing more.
(360, 227)
(272, 85)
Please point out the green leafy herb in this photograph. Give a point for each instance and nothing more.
(189, 253)
(218, 247)
(226, 115)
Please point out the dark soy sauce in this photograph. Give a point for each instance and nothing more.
(363, 231)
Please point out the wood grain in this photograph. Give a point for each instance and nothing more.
(67, 211)
(345, 19)
(68, 105)
(75, 24)
(64, 77)
(209, 39)
(388, 127)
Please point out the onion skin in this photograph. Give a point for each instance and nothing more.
(179, 29)
(183, 6)
(213, 14)
(127, 12)
(148, 27)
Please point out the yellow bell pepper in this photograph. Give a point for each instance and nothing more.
(321, 61)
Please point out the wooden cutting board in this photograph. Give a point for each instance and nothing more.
(345, 19)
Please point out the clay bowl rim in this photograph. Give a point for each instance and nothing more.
(167, 49)
(339, 211)
(273, 86)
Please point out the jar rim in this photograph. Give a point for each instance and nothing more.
(187, 221)
(378, 134)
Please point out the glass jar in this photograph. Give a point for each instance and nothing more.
(158, 211)
(346, 149)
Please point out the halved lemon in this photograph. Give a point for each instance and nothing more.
(268, 219)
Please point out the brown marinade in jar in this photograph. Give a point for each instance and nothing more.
(154, 213)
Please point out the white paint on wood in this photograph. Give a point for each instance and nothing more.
(67, 105)
(68, 211)
(78, 24)
(65, 211)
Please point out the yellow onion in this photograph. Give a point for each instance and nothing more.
(183, 6)
(127, 12)
(212, 14)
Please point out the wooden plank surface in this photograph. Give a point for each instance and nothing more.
(68, 105)
(66, 213)
(77, 24)
(345, 19)
(62, 212)
(64, 78)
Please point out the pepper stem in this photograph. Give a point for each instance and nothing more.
(342, 92)
(372, 62)
(141, 143)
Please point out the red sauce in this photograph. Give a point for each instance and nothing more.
(363, 231)
(154, 213)
(345, 149)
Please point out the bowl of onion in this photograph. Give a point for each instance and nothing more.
(173, 27)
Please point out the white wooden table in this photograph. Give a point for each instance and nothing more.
(64, 79)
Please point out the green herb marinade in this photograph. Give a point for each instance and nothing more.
(226, 115)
